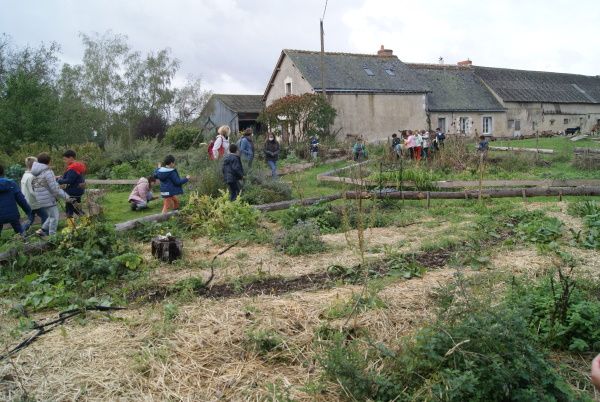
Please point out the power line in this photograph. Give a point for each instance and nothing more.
(324, 10)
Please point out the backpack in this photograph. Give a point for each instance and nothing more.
(210, 150)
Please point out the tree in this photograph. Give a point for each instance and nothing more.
(28, 99)
(190, 101)
(300, 115)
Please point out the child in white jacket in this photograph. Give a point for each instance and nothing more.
(47, 192)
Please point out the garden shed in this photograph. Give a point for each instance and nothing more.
(237, 111)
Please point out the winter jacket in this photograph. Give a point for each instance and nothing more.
(314, 145)
(45, 186)
(28, 191)
(426, 140)
(410, 141)
(170, 182)
(271, 150)
(232, 168)
(246, 148)
(74, 178)
(220, 147)
(10, 197)
(140, 191)
(418, 140)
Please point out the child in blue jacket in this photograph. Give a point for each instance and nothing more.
(74, 180)
(10, 197)
(170, 184)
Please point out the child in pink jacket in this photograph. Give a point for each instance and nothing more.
(141, 194)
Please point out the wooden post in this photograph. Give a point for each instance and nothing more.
(428, 200)
(480, 175)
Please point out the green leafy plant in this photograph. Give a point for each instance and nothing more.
(302, 238)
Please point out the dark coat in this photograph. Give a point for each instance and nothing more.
(10, 197)
(74, 179)
(271, 150)
(232, 168)
(170, 182)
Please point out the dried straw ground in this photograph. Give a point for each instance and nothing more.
(207, 352)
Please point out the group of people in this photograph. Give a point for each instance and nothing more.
(418, 144)
(39, 194)
(236, 160)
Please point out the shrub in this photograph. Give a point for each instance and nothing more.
(303, 238)
(182, 137)
(211, 181)
(15, 172)
(488, 355)
(322, 215)
(220, 218)
(536, 227)
(262, 189)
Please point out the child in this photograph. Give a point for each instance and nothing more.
(440, 137)
(483, 145)
(359, 151)
(410, 144)
(314, 147)
(141, 194)
(396, 145)
(170, 184)
(47, 192)
(10, 197)
(74, 180)
(418, 145)
(29, 193)
(425, 151)
(233, 172)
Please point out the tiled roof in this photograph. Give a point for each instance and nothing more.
(538, 86)
(455, 89)
(348, 72)
(242, 103)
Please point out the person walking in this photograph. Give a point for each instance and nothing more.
(29, 193)
(246, 147)
(10, 198)
(220, 145)
(271, 151)
(74, 180)
(233, 172)
(171, 185)
(47, 193)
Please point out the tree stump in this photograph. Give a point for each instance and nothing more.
(167, 248)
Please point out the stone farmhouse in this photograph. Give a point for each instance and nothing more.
(376, 95)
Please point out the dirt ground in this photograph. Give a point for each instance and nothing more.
(207, 349)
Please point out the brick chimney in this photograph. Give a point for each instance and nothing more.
(383, 52)
(465, 63)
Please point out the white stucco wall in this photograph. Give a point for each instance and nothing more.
(475, 122)
(376, 117)
(288, 73)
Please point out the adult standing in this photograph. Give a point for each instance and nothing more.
(221, 144)
(440, 137)
(271, 151)
(247, 148)
(314, 147)
(425, 151)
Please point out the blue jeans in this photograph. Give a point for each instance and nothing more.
(16, 225)
(273, 166)
(39, 212)
(234, 190)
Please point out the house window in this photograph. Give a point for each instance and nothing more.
(369, 71)
(517, 125)
(463, 124)
(566, 121)
(487, 125)
(511, 124)
(288, 88)
(390, 72)
(442, 124)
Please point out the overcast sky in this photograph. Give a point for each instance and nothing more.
(233, 44)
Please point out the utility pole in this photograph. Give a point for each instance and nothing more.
(322, 59)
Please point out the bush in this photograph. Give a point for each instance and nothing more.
(536, 227)
(262, 189)
(303, 238)
(15, 172)
(220, 218)
(322, 215)
(211, 182)
(182, 137)
(488, 355)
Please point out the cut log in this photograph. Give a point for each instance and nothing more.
(515, 149)
(474, 194)
(579, 137)
(132, 224)
(587, 150)
(277, 206)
